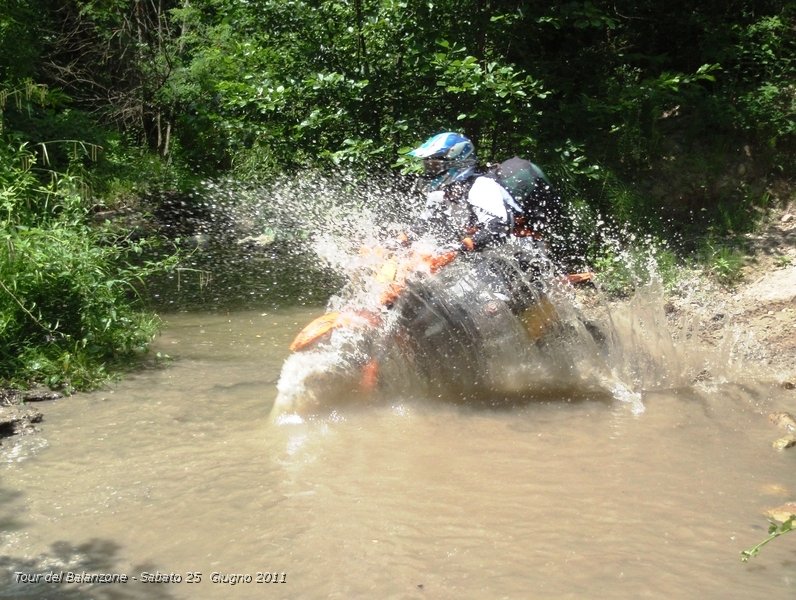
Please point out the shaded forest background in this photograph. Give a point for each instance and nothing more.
(677, 118)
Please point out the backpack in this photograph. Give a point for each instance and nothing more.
(531, 189)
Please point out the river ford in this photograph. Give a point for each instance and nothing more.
(176, 480)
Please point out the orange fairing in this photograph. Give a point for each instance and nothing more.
(370, 376)
(392, 275)
(574, 278)
(435, 263)
(327, 322)
(419, 262)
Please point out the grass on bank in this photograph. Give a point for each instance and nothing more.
(70, 312)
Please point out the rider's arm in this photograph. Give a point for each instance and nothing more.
(492, 219)
(436, 220)
(433, 213)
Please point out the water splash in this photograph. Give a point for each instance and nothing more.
(278, 243)
(483, 331)
(468, 339)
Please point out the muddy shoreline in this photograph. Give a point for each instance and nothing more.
(18, 415)
(763, 304)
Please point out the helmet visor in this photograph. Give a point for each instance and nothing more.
(435, 166)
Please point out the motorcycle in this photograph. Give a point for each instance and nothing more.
(417, 319)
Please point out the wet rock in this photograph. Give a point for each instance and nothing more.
(784, 421)
(11, 396)
(263, 240)
(40, 395)
(782, 513)
(784, 442)
(777, 287)
(8, 397)
(775, 489)
(16, 420)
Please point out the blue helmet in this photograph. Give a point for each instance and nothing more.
(445, 146)
(447, 157)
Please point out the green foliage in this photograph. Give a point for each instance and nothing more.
(279, 102)
(228, 84)
(490, 97)
(635, 106)
(783, 260)
(69, 314)
(622, 269)
(20, 44)
(763, 59)
(572, 163)
(723, 260)
(616, 276)
(259, 88)
(774, 531)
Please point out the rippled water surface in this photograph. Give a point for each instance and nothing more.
(178, 470)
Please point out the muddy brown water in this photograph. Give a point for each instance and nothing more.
(177, 473)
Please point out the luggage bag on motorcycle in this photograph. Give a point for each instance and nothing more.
(531, 190)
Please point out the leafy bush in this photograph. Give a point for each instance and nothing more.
(69, 309)
(620, 273)
(764, 61)
(722, 260)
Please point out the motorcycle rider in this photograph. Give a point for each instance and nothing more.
(471, 209)
(462, 204)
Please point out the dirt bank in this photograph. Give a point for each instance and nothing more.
(17, 413)
(767, 302)
(760, 310)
